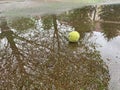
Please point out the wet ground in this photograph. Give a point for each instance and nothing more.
(35, 53)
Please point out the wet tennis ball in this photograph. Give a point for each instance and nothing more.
(73, 36)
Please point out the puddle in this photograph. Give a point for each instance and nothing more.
(35, 53)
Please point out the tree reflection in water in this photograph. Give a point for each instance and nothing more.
(44, 60)
(110, 13)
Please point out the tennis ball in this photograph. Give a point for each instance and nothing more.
(73, 36)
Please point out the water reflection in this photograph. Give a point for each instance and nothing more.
(111, 14)
(110, 30)
(41, 58)
(22, 23)
(79, 19)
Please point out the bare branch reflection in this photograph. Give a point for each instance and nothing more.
(42, 59)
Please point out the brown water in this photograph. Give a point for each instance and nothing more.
(36, 55)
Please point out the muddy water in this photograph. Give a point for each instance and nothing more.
(36, 55)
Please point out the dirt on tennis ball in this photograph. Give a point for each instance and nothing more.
(73, 36)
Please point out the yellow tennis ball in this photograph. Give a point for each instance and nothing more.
(73, 36)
